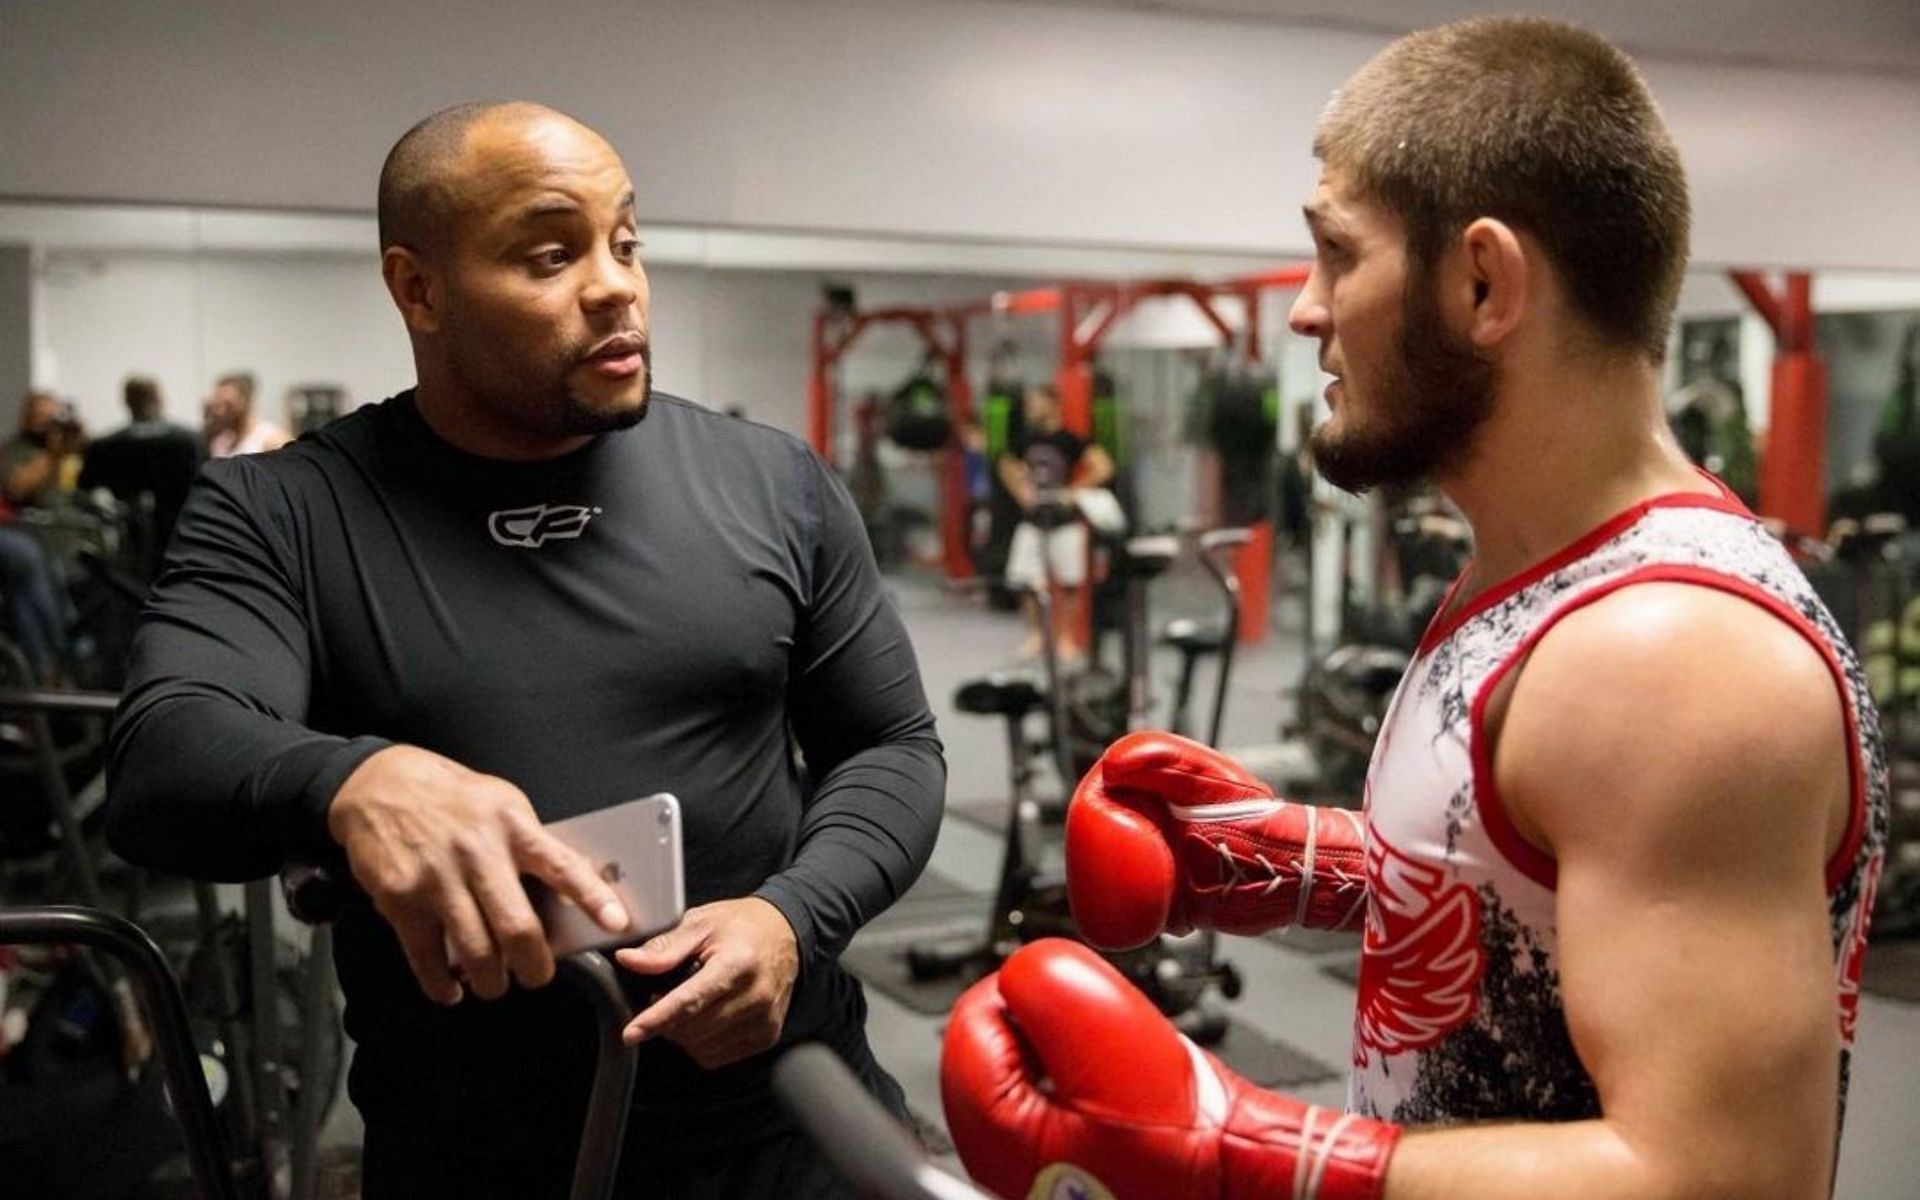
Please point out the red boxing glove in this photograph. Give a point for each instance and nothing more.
(1167, 834)
(1131, 1109)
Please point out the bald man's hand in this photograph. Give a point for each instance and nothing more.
(740, 960)
(440, 850)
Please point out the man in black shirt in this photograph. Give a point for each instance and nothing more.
(526, 589)
(1041, 463)
(151, 458)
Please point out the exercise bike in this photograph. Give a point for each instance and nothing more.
(1085, 711)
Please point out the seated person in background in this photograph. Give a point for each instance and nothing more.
(33, 463)
(31, 611)
(230, 424)
(152, 456)
(1045, 459)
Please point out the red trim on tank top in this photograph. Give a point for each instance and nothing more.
(1446, 623)
(1540, 866)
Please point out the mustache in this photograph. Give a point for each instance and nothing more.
(619, 345)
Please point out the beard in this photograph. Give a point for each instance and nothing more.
(539, 400)
(1419, 420)
(577, 416)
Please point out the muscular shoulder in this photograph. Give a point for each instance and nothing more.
(1675, 715)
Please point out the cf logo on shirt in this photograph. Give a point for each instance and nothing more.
(539, 524)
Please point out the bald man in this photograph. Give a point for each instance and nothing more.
(527, 588)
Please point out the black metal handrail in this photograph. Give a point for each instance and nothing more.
(128, 944)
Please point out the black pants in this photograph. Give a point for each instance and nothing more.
(409, 1164)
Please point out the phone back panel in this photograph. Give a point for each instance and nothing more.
(635, 847)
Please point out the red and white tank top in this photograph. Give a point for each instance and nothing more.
(1459, 1016)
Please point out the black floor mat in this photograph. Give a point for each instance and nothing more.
(1892, 971)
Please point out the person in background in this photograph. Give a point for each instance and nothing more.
(231, 426)
(1043, 461)
(31, 613)
(150, 457)
(36, 463)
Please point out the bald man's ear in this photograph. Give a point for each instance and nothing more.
(416, 293)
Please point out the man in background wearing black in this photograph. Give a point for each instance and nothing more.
(150, 461)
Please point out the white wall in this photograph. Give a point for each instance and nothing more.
(17, 319)
(187, 318)
(987, 118)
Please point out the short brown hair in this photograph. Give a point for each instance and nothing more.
(1536, 123)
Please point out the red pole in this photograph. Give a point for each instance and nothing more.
(1793, 469)
(1250, 301)
(1074, 379)
(1280, 277)
(1253, 565)
(820, 392)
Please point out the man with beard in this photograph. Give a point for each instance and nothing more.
(525, 589)
(1624, 820)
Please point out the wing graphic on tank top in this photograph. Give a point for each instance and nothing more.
(1421, 958)
(1853, 953)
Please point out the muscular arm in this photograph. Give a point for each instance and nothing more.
(1681, 755)
(861, 717)
(213, 773)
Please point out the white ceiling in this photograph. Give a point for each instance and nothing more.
(1881, 35)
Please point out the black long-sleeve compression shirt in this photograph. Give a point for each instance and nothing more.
(654, 612)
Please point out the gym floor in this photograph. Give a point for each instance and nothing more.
(1290, 995)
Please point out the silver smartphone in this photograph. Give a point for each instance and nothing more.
(635, 846)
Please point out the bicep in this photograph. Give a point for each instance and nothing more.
(1681, 764)
(1699, 997)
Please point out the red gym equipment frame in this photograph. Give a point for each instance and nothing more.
(945, 334)
(1087, 314)
(1794, 465)
(1792, 475)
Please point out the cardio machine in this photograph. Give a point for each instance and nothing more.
(1083, 710)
